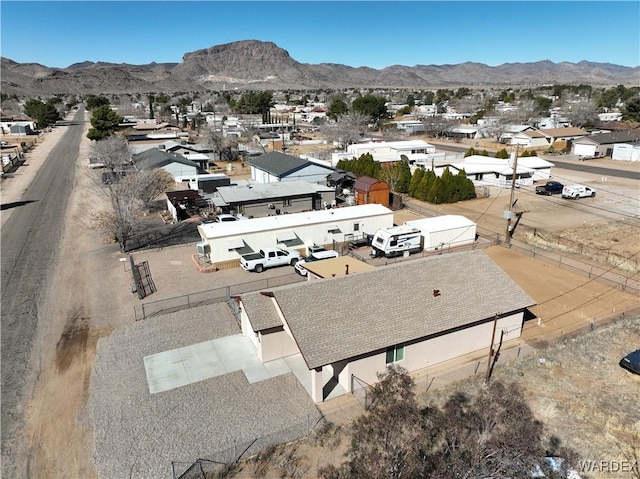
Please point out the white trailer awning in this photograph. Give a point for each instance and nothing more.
(235, 243)
(285, 236)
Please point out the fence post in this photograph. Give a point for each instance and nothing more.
(188, 302)
(143, 313)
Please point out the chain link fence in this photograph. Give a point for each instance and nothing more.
(236, 450)
(210, 296)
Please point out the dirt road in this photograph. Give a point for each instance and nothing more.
(73, 312)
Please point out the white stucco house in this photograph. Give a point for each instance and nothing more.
(603, 144)
(387, 151)
(415, 313)
(486, 170)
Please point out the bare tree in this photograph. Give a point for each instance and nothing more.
(121, 223)
(223, 146)
(386, 441)
(468, 104)
(582, 113)
(113, 152)
(150, 184)
(348, 129)
(127, 196)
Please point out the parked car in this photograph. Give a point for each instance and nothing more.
(268, 258)
(573, 192)
(632, 362)
(314, 256)
(225, 217)
(550, 188)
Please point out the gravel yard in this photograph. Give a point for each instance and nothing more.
(138, 434)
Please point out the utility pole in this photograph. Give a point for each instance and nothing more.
(491, 352)
(508, 214)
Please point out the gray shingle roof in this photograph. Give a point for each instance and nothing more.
(278, 164)
(155, 158)
(261, 311)
(628, 136)
(343, 317)
(268, 191)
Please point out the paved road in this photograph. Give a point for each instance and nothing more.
(559, 163)
(597, 170)
(30, 240)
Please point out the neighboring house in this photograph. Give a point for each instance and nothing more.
(529, 139)
(472, 132)
(626, 151)
(350, 328)
(268, 199)
(486, 170)
(175, 165)
(198, 154)
(18, 127)
(610, 116)
(410, 127)
(387, 152)
(566, 135)
(275, 166)
(509, 131)
(543, 138)
(369, 190)
(602, 144)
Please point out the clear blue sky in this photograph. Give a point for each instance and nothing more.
(375, 34)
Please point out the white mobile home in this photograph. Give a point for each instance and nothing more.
(224, 243)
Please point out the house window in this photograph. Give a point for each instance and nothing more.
(356, 227)
(286, 202)
(395, 353)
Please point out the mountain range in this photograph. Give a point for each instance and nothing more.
(257, 65)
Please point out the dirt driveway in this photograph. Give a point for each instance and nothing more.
(92, 297)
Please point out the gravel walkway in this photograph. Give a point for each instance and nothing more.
(138, 434)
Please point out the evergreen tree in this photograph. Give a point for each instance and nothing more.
(404, 177)
(415, 181)
(104, 122)
(436, 192)
(45, 114)
(504, 154)
(448, 186)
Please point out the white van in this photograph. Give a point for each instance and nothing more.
(314, 256)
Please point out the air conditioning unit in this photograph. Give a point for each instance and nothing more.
(203, 248)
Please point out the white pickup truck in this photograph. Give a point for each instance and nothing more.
(574, 192)
(268, 258)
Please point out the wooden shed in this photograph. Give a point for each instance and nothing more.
(371, 191)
